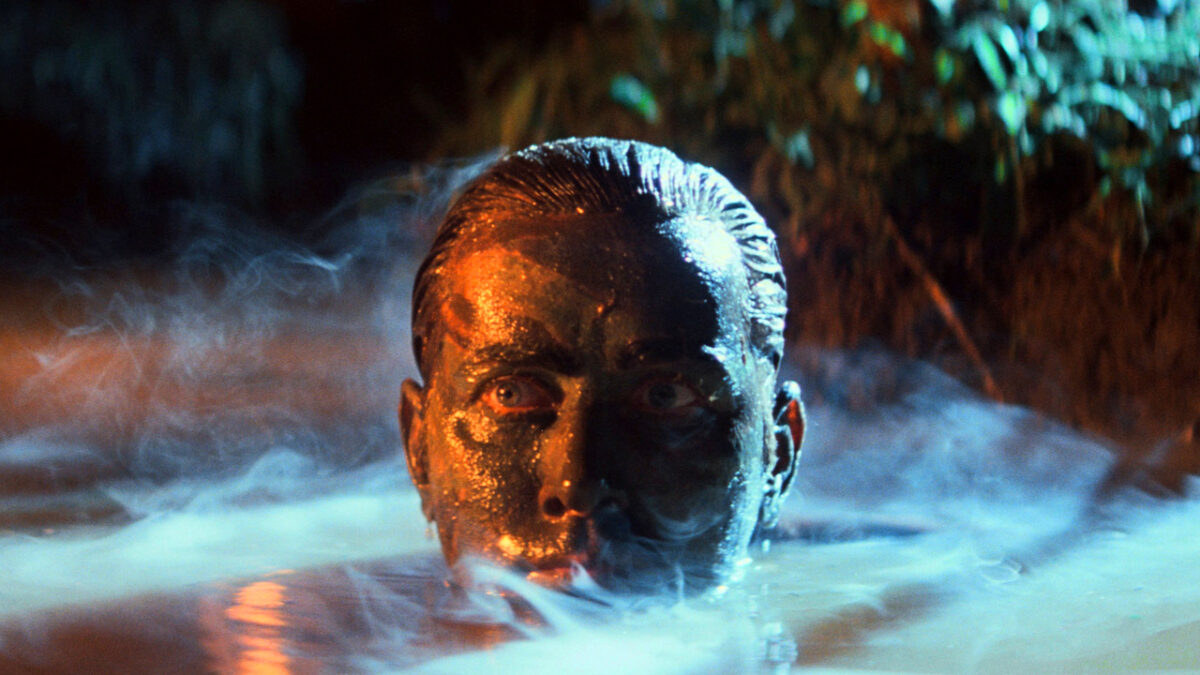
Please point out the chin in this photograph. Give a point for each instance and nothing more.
(602, 559)
(639, 567)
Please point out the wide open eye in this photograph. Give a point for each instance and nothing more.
(515, 394)
(666, 397)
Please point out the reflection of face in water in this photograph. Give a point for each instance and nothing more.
(593, 398)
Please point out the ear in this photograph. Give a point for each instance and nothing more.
(788, 413)
(412, 429)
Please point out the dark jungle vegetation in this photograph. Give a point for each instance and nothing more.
(1007, 188)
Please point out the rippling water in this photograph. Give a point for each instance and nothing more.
(348, 582)
(200, 472)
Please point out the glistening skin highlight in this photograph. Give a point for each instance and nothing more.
(594, 398)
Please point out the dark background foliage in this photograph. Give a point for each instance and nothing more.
(1010, 188)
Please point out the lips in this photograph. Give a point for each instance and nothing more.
(559, 575)
(583, 560)
(586, 556)
(585, 550)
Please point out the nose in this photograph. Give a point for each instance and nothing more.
(573, 477)
(572, 499)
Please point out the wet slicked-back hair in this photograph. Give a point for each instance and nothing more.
(604, 176)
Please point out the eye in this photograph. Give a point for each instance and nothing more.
(513, 394)
(665, 397)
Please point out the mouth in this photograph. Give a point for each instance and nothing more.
(560, 576)
(567, 571)
(589, 552)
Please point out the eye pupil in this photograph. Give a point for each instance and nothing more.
(662, 396)
(507, 394)
(517, 394)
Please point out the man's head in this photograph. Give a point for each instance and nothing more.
(599, 327)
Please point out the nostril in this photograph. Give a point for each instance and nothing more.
(553, 507)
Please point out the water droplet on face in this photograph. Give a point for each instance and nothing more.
(509, 545)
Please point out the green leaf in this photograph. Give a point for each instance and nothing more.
(1187, 145)
(1010, 105)
(943, 64)
(781, 19)
(989, 60)
(1185, 111)
(853, 12)
(943, 7)
(1039, 17)
(799, 150)
(862, 79)
(1041, 68)
(631, 93)
(887, 37)
(1008, 41)
(1108, 95)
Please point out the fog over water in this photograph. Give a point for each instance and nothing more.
(201, 471)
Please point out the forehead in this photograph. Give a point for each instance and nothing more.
(679, 276)
(612, 242)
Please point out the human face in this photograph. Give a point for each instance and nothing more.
(593, 402)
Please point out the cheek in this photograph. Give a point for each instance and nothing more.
(704, 445)
(705, 474)
(482, 474)
(683, 468)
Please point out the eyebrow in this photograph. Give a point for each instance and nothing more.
(528, 343)
(661, 350)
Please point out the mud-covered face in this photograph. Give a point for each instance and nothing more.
(593, 401)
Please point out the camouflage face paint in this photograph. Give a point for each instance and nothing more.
(593, 400)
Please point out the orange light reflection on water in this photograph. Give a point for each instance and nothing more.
(259, 607)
